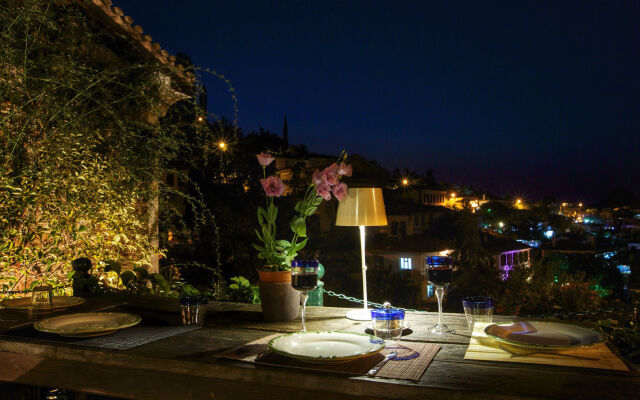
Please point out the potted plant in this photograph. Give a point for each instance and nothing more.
(279, 300)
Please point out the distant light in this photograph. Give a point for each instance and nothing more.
(564, 204)
(222, 146)
(624, 269)
(549, 234)
(453, 195)
(519, 201)
(405, 181)
(501, 224)
(200, 118)
(579, 204)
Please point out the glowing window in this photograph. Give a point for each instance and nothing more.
(405, 262)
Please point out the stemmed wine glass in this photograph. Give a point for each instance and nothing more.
(439, 270)
(304, 277)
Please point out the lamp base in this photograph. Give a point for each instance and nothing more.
(359, 315)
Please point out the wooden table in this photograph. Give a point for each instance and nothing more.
(184, 366)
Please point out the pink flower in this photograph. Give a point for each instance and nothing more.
(324, 190)
(272, 186)
(265, 159)
(340, 191)
(318, 177)
(331, 172)
(345, 169)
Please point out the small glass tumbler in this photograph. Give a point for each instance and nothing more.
(193, 310)
(478, 309)
(387, 323)
(41, 301)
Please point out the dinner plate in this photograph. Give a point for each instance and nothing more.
(87, 324)
(326, 346)
(59, 302)
(547, 335)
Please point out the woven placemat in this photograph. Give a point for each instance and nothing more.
(413, 359)
(122, 340)
(411, 362)
(136, 336)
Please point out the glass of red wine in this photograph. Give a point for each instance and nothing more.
(439, 270)
(304, 277)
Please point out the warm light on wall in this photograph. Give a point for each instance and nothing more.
(445, 253)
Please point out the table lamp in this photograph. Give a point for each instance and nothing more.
(362, 207)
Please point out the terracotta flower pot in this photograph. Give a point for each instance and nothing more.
(279, 301)
(275, 276)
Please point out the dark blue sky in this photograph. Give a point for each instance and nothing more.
(531, 98)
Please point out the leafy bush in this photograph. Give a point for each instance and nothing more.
(81, 157)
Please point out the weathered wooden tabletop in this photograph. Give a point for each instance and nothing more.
(184, 366)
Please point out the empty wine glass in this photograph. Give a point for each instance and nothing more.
(41, 301)
(439, 269)
(304, 277)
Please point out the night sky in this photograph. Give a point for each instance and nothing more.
(529, 98)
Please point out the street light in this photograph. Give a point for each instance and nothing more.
(222, 146)
(405, 181)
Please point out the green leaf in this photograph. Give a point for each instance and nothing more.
(316, 202)
(283, 243)
(257, 247)
(301, 245)
(310, 211)
(266, 235)
(259, 236)
(299, 227)
(261, 215)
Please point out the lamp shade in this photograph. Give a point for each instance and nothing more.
(362, 207)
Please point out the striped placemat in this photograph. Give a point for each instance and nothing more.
(412, 360)
(482, 347)
(136, 336)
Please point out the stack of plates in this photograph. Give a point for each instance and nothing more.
(326, 346)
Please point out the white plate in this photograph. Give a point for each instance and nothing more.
(87, 324)
(59, 302)
(326, 346)
(547, 335)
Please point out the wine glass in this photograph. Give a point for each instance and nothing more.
(439, 269)
(41, 302)
(304, 277)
